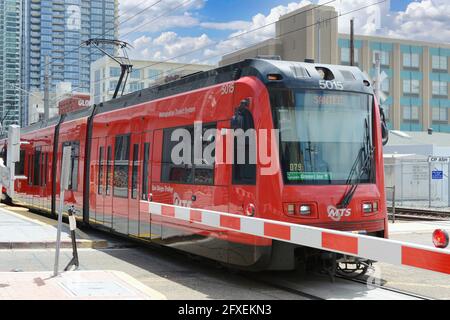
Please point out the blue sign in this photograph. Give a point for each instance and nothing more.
(437, 175)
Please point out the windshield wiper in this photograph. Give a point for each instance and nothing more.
(367, 150)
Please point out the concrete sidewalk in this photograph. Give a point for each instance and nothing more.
(402, 227)
(75, 285)
(20, 232)
(24, 230)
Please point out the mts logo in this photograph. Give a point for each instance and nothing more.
(337, 214)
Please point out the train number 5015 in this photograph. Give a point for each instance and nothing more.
(328, 84)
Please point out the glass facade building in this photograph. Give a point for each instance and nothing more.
(417, 82)
(10, 52)
(55, 29)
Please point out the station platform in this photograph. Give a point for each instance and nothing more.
(74, 285)
(20, 229)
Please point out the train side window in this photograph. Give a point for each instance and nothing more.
(100, 171)
(245, 174)
(145, 171)
(171, 172)
(74, 160)
(204, 172)
(37, 167)
(45, 169)
(42, 168)
(108, 170)
(187, 173)
(20, 166)
(121, 163)
(30, 169)
(134, 172)
(3, 154)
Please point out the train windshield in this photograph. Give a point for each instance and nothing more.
(323, 135)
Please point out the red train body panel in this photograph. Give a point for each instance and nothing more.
(118, 159)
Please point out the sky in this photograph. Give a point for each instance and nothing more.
(201, 31)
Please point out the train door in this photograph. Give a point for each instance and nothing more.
(243, 171)
(107, 192)
(145, 184)
(134, 194)
(121, 182)
(156, 189)
(98, 156)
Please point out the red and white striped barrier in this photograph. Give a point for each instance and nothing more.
(378, 249)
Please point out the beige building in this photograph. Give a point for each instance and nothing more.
(417, 73)
(105, 74)
(36, 102)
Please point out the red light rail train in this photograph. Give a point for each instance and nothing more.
(327, 154)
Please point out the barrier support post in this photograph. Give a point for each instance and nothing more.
(73, 226)
(64, 185)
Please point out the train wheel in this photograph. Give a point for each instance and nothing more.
(353, 268)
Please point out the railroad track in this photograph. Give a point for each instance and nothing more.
(419, 214)
(315, 287)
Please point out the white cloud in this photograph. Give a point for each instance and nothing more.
(262, 27)
(231, 25)
(421, 20)
(169, 45)
(137, 16)
(425, 20)
(368, 18)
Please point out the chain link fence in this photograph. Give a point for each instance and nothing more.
(418, 183)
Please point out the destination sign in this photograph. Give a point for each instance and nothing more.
(329, 99)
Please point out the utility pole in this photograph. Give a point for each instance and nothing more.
(352, 43)
(46, 89)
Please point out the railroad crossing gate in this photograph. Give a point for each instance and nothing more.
(377, 249)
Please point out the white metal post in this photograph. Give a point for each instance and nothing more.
(448, 183)
(429, 184)
(378, 76)
(64, 185)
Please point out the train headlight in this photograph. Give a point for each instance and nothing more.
(375, 206)
(367, 207)
(440, 238)
(305, 210)
(291, 208)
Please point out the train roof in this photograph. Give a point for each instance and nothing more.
(291, 73)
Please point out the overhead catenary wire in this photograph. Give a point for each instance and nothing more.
(156, 76)
(162, 15)
(158, 17)
(244, 33)
(228, 39)
(107, 31)
(81, 60)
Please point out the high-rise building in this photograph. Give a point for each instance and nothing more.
(55, 29)
(10, 51)
(416, 74)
